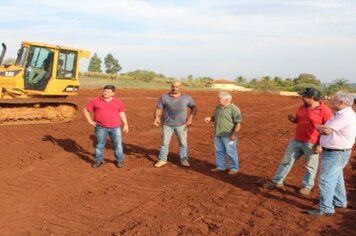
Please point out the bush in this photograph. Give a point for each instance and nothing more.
(266, 86)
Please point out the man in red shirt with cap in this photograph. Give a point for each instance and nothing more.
(305, 142)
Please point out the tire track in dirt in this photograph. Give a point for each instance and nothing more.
(42, 177)
(170, 178)
(81, 212)
(198, 218)
(43, 182)
(93, 216)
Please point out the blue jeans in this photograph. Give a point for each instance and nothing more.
(166, 135)
(331, 180)
(115, 136)
(294, 151)
(224, 148)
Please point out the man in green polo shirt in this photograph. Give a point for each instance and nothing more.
(227, 118)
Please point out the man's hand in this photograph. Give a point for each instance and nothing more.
(324, 130)
(125, 129)
(292, 118)
(157, 122)
(207, 119)
(233, 137)
(188, 123)
(318, 149)
(88, 117)
(93, 123)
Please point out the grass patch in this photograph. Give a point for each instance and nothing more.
(130, 83)
(96, 82)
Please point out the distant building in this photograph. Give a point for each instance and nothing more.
(226, 85)
(286, 93)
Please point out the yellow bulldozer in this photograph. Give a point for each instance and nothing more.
(34, 88)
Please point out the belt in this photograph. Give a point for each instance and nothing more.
(335, 150)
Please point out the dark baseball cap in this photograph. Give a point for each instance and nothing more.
(311, 92)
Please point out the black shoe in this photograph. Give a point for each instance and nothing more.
(119, 164)
(319, 213)
(97, 164)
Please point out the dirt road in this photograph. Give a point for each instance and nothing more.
(48, 187)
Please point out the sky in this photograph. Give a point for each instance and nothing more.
(221, 39)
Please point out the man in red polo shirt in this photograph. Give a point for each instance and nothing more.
(108, 118)
(306, 140)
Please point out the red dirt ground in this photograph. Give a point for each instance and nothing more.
(49, 188)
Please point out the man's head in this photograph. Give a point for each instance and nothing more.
(342, 100)
(108, 91)
(176, 87)
(224, 98)
(310, 95)
(46, 64)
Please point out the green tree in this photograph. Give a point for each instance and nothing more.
(307, 79)
(264, 84)
(252, 83)
(266, 78)
(144, 75)
(337, 85)
(341, 83)
(241, 80)
(111, 64)
(95, 64)
(285, 84)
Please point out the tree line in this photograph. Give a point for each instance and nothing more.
(304, 80)
(267, 84)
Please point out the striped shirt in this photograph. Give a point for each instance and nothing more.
(174, 109)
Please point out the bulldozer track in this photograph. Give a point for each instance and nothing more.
(36, 111)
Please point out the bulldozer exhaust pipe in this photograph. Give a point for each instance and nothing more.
(2, 53)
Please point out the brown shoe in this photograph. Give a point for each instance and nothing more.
(272, 185)
(185, 163)
(97, 164)
(305, 191)
(232, 172)
(319, 213)
(216, 170)
(119, 164)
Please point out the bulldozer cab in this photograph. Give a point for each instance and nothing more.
(41, 66)
(44, 70)
(38, 69)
